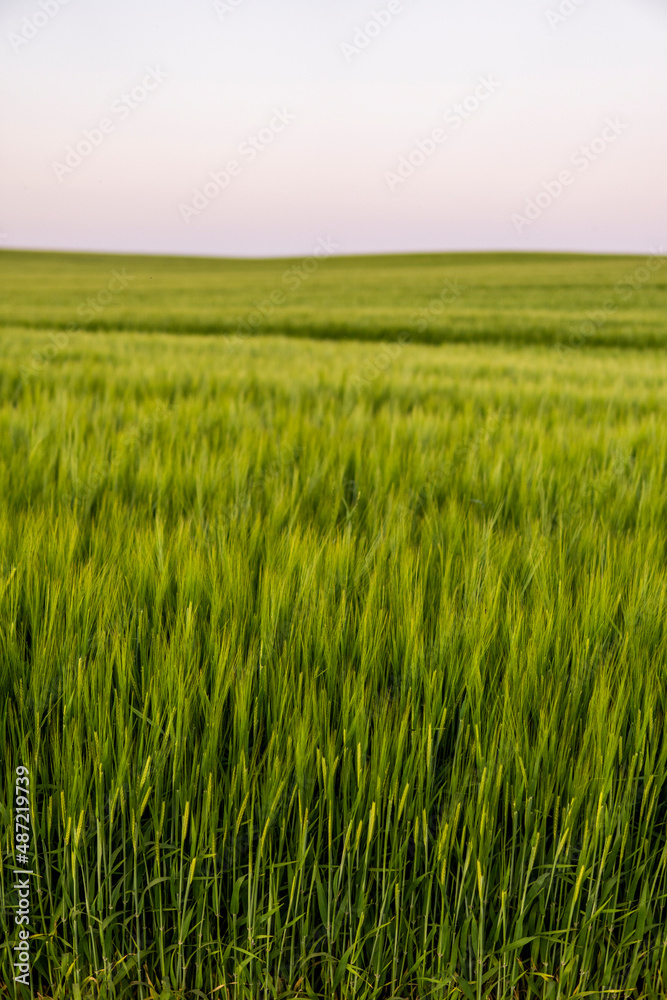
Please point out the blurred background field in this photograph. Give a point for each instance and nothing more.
(340, 668)
(518, 298)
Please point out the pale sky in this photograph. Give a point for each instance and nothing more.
(335, 96)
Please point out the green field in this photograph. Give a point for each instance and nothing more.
(521, 298)
(338, 661)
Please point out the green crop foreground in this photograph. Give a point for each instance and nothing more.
(340, 669)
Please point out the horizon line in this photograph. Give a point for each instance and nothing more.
(335, 256)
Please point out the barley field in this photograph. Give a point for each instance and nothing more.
(574, 301)
(336, 648)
